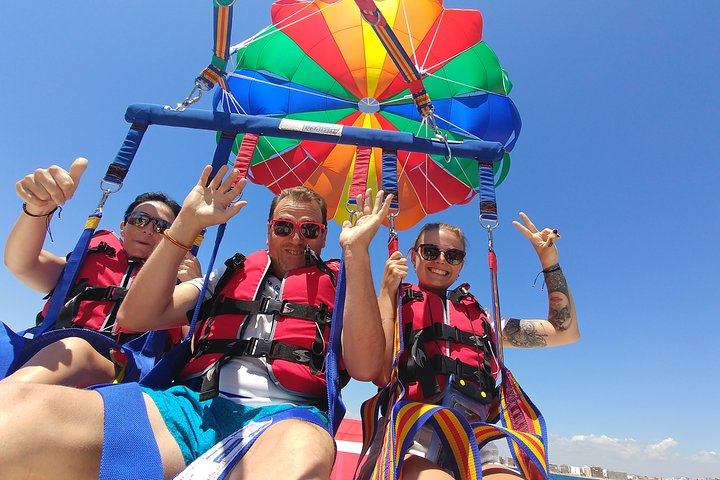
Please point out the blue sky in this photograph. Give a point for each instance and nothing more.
(620, 106)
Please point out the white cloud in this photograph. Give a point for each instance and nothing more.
(660, 450)
(632, 456)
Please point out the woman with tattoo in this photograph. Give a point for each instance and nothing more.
(447, 331)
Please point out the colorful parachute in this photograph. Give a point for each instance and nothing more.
(320, 61)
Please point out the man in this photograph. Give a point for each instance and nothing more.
(183, 425)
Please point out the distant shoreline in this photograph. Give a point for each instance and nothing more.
(575, 476)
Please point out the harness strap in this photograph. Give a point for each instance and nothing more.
(441, 331)
(127, 434)
(258, 347)
(252, 347)
(229, 306)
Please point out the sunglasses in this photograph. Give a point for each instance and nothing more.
(431, 252)
(141, 220)
(285, 228)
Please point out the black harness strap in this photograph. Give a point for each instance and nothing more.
(251, 347)
(228, 306)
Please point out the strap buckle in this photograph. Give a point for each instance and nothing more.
(114, 293)
(258, 347)
(270, 305)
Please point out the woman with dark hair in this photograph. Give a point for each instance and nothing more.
(103, 278)
(447, 330)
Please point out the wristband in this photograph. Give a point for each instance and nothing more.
(551, 268)
(25, 210)
(167, 235)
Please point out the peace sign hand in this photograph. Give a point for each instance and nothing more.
(543, 241)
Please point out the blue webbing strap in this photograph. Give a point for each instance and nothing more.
(222, 151)
(67, 279)
(11, 344)
(129, 448)
(390, 177)
(119, 167)
(336, 407)
(216, 463)
(488, 205)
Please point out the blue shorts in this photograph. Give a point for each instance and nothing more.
(198, 425)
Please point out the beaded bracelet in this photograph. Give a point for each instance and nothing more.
(167, 235)
(25, 210)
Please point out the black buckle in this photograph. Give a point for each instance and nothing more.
(270, 305)
(257, 347)
(114, 293)
(236, 261)
(445, 332)
(459, 293)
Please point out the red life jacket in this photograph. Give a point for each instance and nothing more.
(427, 362)
(101, 284)
(296, 350)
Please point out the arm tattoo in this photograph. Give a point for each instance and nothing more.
(523, 334)
(558, 296)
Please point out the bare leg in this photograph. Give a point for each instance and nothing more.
(494, 471)
(418, 468)
(50, 431)
(292, 449)
(72, 362)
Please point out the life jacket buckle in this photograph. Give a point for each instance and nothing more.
(270, 305)
(235, 262)
(459, 293)
(114, 293)
(257, 347)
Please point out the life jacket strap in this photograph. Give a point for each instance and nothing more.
(252, 347)
(269, 306)
(410, 295)
(69, 311)
(441, 331)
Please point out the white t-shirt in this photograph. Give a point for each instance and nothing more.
(247, 380)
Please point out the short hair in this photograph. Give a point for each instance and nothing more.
(428, 227)
(299, 194)
(152, 197)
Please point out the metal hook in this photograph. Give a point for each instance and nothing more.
(391, 223)
(106, 191)
(192, 97)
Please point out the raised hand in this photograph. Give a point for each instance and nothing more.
(543, 241)
(46, 188)
(212, 202)
(369, 216)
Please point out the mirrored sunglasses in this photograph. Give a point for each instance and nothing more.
(285, 228)
(431, 252)
(141, 220)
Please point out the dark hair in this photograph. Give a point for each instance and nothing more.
(301, 195)
(441, 226)
(152, 197)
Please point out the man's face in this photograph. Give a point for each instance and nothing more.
(139, 242)
(288, 253)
